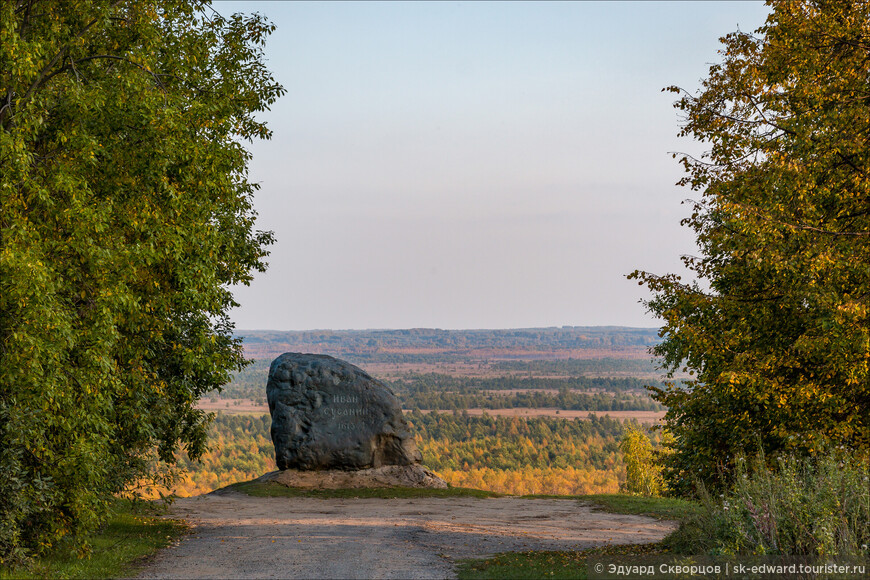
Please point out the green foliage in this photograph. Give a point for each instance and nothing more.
(776, 328)
(526, 566)
(804, 506)
(643, 472)
(131, 533)
(125, 214)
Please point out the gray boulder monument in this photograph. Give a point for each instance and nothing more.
(328, 414)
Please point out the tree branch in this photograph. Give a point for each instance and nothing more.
(758, 110)
(154, 75)
(41, 77)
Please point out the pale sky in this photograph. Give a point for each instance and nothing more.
(474, 165)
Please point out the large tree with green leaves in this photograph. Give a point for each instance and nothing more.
(776, 325)
(125, 216)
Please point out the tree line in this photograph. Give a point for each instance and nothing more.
(580, 367)
(438, 381)
(370, 341)
(566, 400)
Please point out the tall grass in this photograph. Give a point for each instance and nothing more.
(818, 506)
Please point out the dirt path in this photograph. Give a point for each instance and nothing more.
(237, 536)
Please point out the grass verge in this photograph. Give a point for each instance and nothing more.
(535, 565)
(273, 489)
(662, 508)
(117, 550)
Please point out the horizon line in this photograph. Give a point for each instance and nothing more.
(563, 327)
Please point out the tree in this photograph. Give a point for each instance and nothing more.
(775, 327)
(125, 215)
(642, 472)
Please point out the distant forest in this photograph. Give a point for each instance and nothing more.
(578, 367)
(578, 393)
(577, 337)
(434, 346)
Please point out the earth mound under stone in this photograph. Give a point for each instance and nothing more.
(330, 414)
(386, 476)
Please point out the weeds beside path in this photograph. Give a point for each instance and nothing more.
(131, 534)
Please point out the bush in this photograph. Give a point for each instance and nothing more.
(806, 506)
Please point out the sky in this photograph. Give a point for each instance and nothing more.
(466, 165)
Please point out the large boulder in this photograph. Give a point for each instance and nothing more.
(329, 414)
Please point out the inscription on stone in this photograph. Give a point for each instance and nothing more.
(330, 414)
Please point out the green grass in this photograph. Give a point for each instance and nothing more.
(116, 551)
(535, 565)
(662, 508)
(274, 489)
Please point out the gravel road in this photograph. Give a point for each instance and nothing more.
(238, 536)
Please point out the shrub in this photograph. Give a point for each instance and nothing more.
(805, 506)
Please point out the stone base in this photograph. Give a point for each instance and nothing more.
(386, 476)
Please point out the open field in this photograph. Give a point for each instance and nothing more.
(247, 406)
